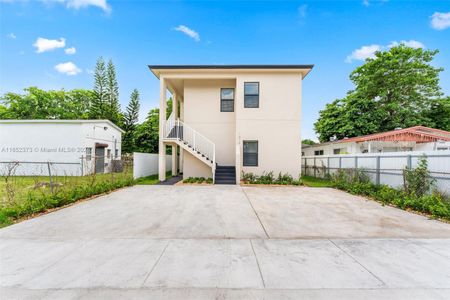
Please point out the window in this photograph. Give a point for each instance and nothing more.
(116, 153)
(250, 154)
(227, 100)
(339, 151)
(108, 153)
(88, 153)
(318, 152)
(251, 94)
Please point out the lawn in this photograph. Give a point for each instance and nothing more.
(152, 179)
(316, 182)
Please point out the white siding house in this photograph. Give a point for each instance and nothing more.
(73, 147)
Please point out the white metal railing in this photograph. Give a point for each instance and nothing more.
(174, 129)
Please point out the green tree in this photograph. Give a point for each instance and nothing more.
(112, 95)
(439, 114)
(397, 88)
(147, 133)
(98, 107)
(308, 142)
(131, 118)
(39, 104)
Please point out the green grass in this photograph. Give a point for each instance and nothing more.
(316, 182)
(152, 179)
(24, 196)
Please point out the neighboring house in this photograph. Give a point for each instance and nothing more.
(417, 138)
(231, 119)
(74, 147)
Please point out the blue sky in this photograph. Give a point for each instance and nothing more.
(333, 35)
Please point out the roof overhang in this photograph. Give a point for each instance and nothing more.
(157, 70)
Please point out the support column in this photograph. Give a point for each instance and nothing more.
(162, 122)
(174, 147)
(181, 158)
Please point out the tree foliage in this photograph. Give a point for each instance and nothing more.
(131, 118)
(112, 109)
(39, 104)
(98, 108)
(397, 88)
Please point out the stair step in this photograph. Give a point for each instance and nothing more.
(225, 182)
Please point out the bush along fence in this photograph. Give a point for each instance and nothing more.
(418, 191)
(28, 188)
(382, 168)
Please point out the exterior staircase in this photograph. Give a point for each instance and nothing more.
(176, 131)
(225, 175)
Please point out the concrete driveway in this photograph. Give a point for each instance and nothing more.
(226, 242)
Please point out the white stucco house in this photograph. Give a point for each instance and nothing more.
(74, 147)
(229, 119)
(417, 138)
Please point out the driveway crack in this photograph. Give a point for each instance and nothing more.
(257, 263)
(155, 264)
(355, 260)
(256, 214)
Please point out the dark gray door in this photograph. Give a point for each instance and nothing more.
(99, 160)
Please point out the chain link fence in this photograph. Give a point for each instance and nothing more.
(382, 168)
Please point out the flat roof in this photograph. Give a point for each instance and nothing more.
(42, 121)
(154, 68)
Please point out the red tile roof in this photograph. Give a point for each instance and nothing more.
(418, 134)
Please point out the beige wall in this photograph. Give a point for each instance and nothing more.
(193, 167)
(202, 112)
(275, 124)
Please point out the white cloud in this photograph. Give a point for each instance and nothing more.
(366, 2)
(440, 21)
(43, 45)
(77, 4)
(302, 10)
(68, 68)
(363, 53)
(11, 36)
(73, 4)
(71, 50)
(189, 32)
(410, 43)
(369, 51)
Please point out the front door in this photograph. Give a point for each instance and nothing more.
(99, 159)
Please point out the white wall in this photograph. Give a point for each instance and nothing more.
(146, 164)
(61, 143)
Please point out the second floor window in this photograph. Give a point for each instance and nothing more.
(227, 100)
(251, 94)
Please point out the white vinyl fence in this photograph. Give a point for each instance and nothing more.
(146, 164)
(382, 168)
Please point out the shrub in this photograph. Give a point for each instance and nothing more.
(198, 180)
(418, 181)
(268, 178)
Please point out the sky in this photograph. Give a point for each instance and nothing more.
(54, 44)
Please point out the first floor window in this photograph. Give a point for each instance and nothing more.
(108, 153)
(250, 154)
(318, 152)
(88, 153)
(116, 153)
(227, 100)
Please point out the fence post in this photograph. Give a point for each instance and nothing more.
(50, 176)
(314, 167)
(377, 179)
(340, 163)
(328, 165)
(408, 162)
(82, 166)
(306, 166)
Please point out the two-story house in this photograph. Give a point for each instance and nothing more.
(229, 119)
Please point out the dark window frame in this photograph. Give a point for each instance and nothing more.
(257, 153)
(318, 152)
(88, 153)
(259, 91)
(226, 100)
